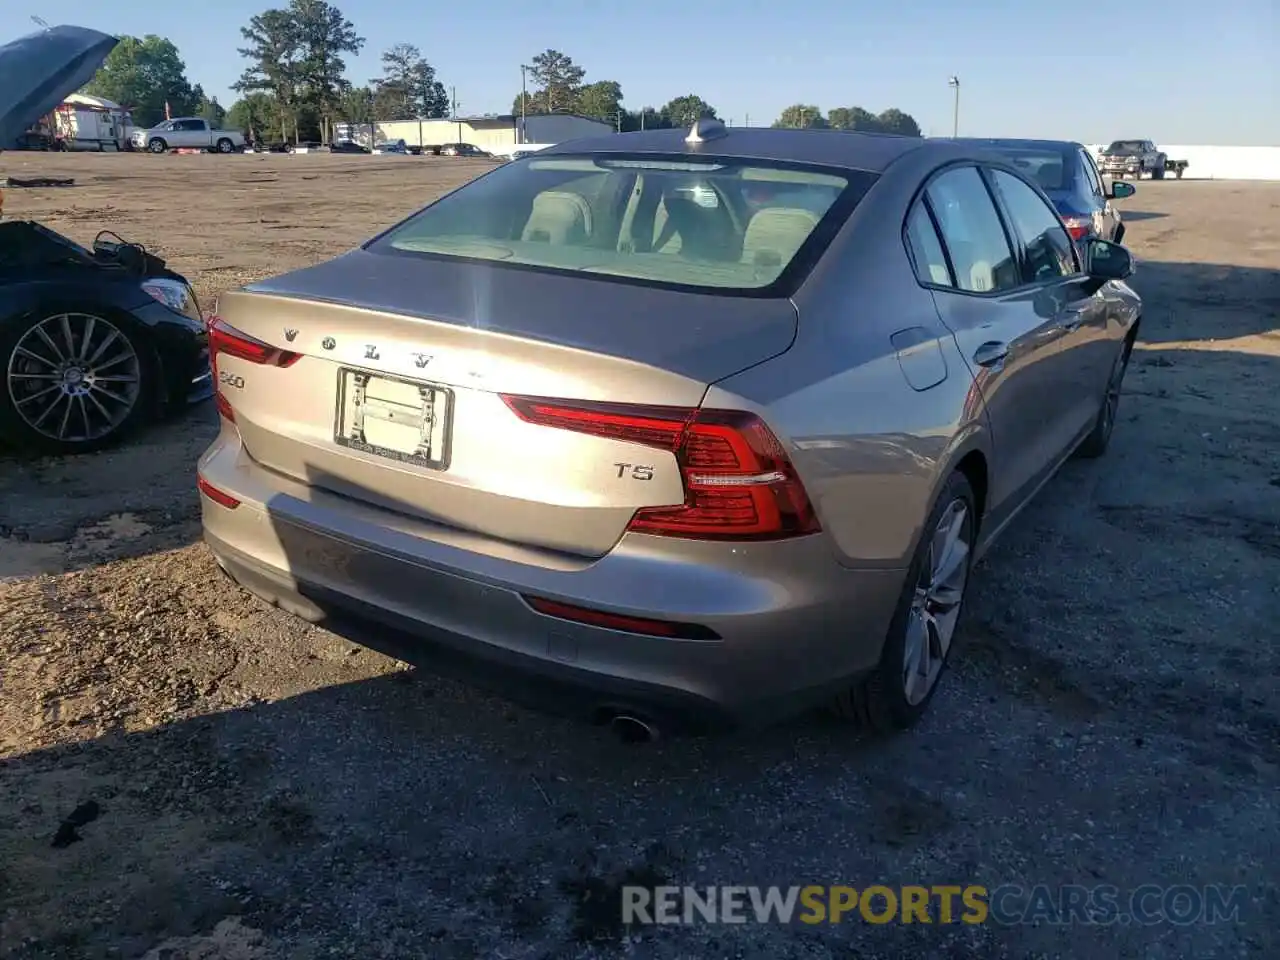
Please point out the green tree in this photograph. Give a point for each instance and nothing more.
(275, 55)
(801, 116)
(646, 118)
(894, 120)
(853, 118)
(143, 75)
(557, 81)
(524, 104)
(686, 110)
(210, 110)
(357, 105)
(408, 88)
(255, 114)
(601, 100)
(324, 34)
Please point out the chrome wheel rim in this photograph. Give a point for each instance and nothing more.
(74, 377)
(935, 607)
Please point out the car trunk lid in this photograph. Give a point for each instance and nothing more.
(396, 395)
(38, 71)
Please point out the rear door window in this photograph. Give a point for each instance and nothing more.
(926, 249)
(1048, 250)
(972, 231)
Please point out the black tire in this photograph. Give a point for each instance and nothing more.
(1157, 174)
(1099, 438)
(18, 431)
(879, 702)
(1119, 237)
(1178, 174)
(225, 145)
(157, 145)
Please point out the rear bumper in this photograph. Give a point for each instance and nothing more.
(794, 625)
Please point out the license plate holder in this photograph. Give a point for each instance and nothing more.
(407, 421)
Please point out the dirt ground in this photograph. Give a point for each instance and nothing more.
(186, 773)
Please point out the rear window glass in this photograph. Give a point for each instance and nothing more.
(716, 225)
(1046, 167)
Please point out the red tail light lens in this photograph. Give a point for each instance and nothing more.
(217, 496)
(224, 338)
(615, 621)
(1078, 227)
(739, 482)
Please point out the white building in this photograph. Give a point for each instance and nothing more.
(82, 122)
(497, 134)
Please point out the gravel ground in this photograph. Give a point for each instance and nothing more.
(186, 773)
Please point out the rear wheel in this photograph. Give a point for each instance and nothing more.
(1096, 443)
(74, 381)
(924, 624)
(225, 145)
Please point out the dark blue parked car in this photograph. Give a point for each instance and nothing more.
(1066, 172)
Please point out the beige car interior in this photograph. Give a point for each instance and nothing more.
(559, 217)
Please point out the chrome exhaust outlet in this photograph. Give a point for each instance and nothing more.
(631, 729)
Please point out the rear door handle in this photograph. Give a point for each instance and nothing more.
(991, 353)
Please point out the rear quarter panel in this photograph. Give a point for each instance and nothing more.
(874, 401)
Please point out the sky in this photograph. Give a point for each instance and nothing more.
(1174, 71)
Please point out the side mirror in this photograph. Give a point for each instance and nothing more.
(1118, 190)
(1105, 260)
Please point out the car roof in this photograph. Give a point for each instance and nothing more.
(996, 143)
(848, 149)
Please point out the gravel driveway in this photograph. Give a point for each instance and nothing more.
(186, 773)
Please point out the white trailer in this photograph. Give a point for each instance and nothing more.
(90, 123)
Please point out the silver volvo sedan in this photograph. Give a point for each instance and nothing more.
(682, 425)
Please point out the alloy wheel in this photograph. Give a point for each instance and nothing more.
(74, 377)
(1111, 405)
(935, 608)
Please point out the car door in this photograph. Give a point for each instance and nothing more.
(179, 136)
(1007, 342)
(1106, 221)
(197, 134)
(1051, 264)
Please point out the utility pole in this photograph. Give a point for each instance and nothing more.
(453, 94)
(524, 103)
(747, 122)
(954, 83)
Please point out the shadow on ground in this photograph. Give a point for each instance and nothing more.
(1207, 301)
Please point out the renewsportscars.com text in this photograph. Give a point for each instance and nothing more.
(1007, 905)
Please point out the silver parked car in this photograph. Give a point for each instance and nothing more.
(708, 426)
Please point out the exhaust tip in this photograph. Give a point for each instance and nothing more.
(629, 729)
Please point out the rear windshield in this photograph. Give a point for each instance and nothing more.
(1126, 146)
(717, 225)
(1046, 167)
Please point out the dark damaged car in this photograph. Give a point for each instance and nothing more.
(93, 341)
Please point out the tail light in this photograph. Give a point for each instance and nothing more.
(220, 497)
(615, 621)
(739, 482)
(224, 338)
(1078, 227)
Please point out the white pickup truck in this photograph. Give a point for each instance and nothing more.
(190, 133)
